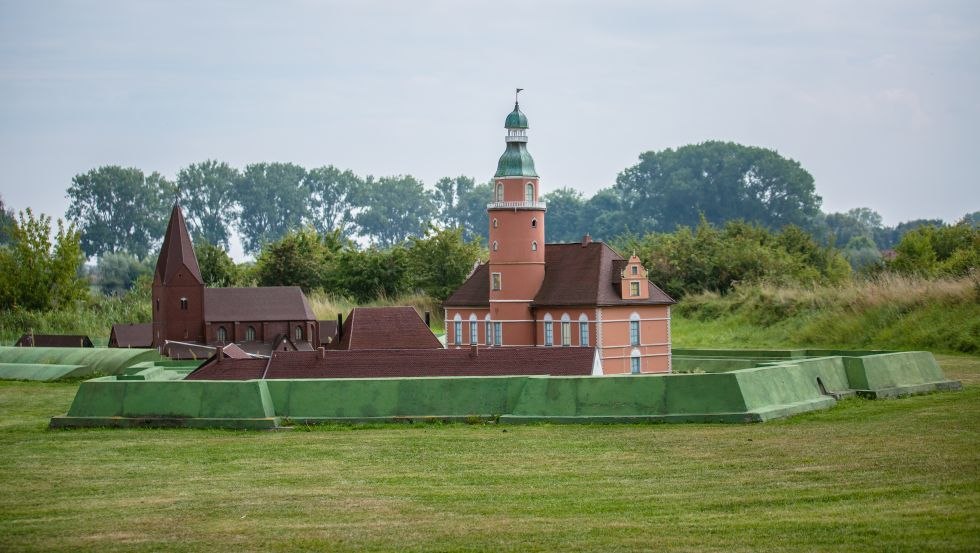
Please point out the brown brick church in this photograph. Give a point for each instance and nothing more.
(555, 295)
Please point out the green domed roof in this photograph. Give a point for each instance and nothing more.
(516, 162)
(516, 119)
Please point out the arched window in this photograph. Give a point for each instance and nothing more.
(634, 329)
(183, 304)
(635, 361)
(529, 192)
(500, 191)
(488, 330)
(298, 332)
(474, 337)
(221, 335)
(566, 330)
(457, 329)
(495, 246)
(250, 334)
(583, 330)
(495, 223)
(534, 246)
(549, 331)
(158, 304)
(534, 223)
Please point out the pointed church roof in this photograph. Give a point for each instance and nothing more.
(177, 250)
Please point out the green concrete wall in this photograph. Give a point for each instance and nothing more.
(36, 371)
(87, 361)
(773, 389)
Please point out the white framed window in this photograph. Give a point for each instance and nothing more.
(500, 191)
(635, 362)
(457, 329)
(221, 335)
(498, 333)
(534, 246)
(583, 330)
(474, 335)
(529, 192)
(634, 288)
(495, 283)
(566, 330)
(250, 334)
(549, 330)
(634, 329)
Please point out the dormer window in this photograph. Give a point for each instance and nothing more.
(634, 270)
(634, 288)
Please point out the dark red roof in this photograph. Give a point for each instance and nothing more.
(574, 274)
(328, 332)
(268, 303)
(508, 361)
(54, 341)
(386, 328)
(177, 250)
(131, 335)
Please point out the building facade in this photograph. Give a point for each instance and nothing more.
(555, 295)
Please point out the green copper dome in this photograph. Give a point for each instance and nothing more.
(516, 162)
(516, 119)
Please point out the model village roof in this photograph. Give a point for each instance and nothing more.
(386, 328)
(510, 361)
(177, 250)
(125, 335)
(267, 303)
(586, 273)
(54, 341)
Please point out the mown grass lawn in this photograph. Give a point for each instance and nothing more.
(890, 475)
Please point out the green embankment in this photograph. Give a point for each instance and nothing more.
(784, 383)
(891, 313)
(49, 364)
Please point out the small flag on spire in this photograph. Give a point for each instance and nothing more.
(516, 93)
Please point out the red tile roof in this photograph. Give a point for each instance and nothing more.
(507, 361)
(386, 328)
(177, 250)
(574, 274)
(54, 341)
(268, 303)
(131, 335)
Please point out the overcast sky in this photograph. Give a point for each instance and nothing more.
(880, 101)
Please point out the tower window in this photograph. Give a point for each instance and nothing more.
(534, 223)
(529, 192)
(534, 246)
(634, 288)
(183, 304)
(583, 331)
(495, 246)
(495, 281)
(250, 334)
(221, 335)
(495, 223)
(500, 192)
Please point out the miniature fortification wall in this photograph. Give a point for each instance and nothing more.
(780, 384)
(48, 364)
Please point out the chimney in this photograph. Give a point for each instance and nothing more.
(220, 353)
(340, 326)
(474, 351)
(428, 320)
(586, 240)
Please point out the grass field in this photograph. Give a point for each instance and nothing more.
(889, 475)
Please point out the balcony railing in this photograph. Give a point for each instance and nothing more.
(518, 205)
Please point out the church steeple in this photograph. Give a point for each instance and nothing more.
(177, 251)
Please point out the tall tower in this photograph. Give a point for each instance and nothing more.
(516, 236)
(178, 288)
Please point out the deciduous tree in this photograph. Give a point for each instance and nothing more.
(272, 201)
(207, 194)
